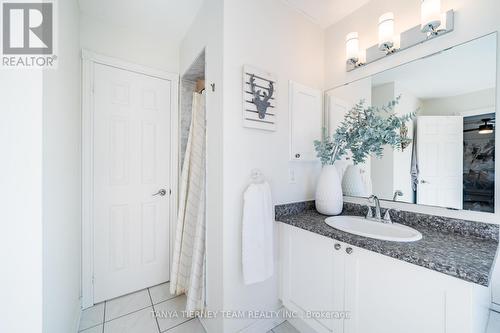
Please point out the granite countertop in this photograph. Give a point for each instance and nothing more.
(463, 256)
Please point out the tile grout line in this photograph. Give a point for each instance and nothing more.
(104, 316)
(184, 322)
(147, 289)
(154, 311)
(129, 313)
(104, 321)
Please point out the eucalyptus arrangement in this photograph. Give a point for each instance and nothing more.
(364, 131)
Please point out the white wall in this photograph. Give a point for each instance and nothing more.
(131, 45)
(382, 169)
(271, 36)
(61, 179)
(21, 200)
(402, 159)
(483, 99)
(206, 33)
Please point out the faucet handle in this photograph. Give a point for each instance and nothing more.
(387, 216)
(369, 214)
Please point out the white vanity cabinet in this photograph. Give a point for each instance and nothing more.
(380, 294)
(309, 282)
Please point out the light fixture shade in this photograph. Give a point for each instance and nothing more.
(352, 47)
(362, 56)
(386, 31)
(430, 15)
(486, 129)
(443, 22)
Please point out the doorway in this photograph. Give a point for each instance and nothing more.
(130, 177)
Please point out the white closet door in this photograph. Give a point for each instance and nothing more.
(306, 117)
(131, 143)
(440, 161)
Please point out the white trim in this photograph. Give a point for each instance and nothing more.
(89, 59)
(78, 319)
(118, 63)
(476, 112)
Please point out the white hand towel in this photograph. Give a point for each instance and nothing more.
(257, 236)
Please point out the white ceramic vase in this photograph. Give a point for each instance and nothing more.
(329, 200)
(352, 182)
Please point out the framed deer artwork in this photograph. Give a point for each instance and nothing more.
(259, 99)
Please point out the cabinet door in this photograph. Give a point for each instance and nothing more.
(306, 118)
(384, 295)
(308, 278)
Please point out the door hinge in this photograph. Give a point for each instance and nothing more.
(170, 191)
(93, 279)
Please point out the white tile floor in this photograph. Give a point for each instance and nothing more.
(134, 313)
(285, 327)
(494, 322)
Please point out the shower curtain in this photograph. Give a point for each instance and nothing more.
(188, 268)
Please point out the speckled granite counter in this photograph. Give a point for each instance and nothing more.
(462, 253)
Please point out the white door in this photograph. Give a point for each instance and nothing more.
(440, 161)
(131, 162)
(305, 121)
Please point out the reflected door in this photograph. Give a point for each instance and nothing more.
(440, 161)
(131, 144)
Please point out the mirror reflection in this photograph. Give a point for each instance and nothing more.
(449, 159)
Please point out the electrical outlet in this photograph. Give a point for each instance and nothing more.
(291, 175)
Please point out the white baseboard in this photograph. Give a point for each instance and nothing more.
(78, 317)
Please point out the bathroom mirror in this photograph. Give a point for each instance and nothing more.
(450, 158)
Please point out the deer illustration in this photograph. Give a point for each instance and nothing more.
(261, 103)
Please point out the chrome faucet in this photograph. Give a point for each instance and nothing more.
(397, 193)
(378, 215)
(374, 198)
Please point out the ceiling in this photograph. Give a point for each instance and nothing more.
(463, 69)
(170, 18)
(326, 12)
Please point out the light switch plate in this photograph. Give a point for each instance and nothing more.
(291, 176)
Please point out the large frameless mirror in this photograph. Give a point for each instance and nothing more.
(449, 157)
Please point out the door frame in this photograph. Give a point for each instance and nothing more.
(89, 59)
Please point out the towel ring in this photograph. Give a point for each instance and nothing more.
(256, 176)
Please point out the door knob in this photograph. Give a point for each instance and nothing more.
(424, 182)
(161, 192)
(337, 246)
(348, 250)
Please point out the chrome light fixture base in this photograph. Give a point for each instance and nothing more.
(353, 63)
(409, 38)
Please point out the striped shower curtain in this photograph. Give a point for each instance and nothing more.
(188, 268)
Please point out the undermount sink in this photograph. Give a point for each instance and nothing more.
(384, 231)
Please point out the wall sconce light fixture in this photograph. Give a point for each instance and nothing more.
(430, 15)
(433, 24)
(352, 49)
(386, 32)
